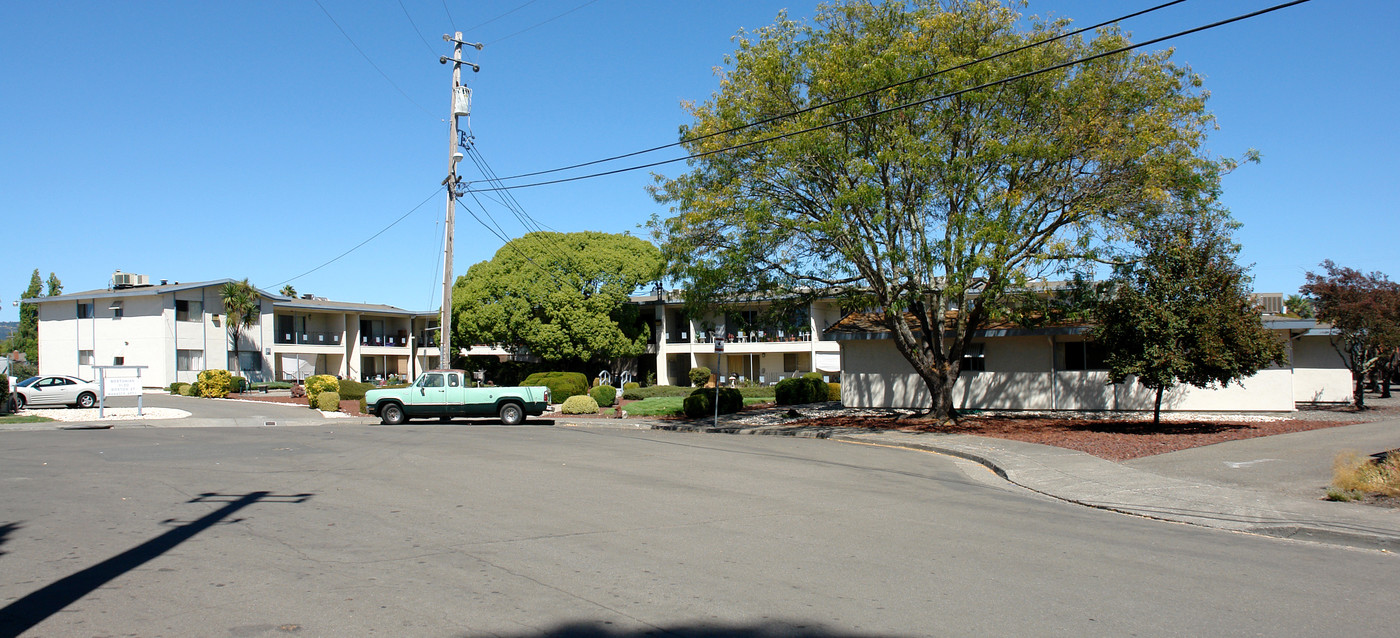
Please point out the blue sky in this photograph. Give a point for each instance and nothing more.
(201, 140)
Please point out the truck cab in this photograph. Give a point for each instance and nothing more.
(445, 394)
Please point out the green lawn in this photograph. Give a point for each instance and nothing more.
(24, 419)
(664, 406)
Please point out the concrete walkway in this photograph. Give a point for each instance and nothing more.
(1184, 486)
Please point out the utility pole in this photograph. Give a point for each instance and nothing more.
(460, 106)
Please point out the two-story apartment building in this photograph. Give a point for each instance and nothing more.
(178, 329)
(756, 347)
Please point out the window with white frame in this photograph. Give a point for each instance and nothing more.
(189, 310)
(974, 358)
(85, 358)
(1081, 355)
(116, 308)
(189, 360)
(84, 309)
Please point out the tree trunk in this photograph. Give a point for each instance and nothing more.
(1157, 409)
(940, 388)
(1358, 390)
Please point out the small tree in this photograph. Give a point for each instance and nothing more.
(1183, 314)
(1364, 312)
(288, 290)
(242, 307)
(1298, 306)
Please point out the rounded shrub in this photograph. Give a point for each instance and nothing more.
(605, 395)
(186, 389)
(319, 383)
(630, 385)
(352, 389)
(801, 390)
(579, 404)
(562, 385)
(701, 402)
(328, 401)
(215, 384)
(174, 388)
(699, 376)
(239, 385)
(833, 392)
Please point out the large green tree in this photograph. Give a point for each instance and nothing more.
(25, 338)
(1183, 314)
(938, 213)
(1364, 313)
(562, 296)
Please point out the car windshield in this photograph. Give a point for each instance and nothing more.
(27, 382)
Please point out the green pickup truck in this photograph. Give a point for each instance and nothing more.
(444, 394)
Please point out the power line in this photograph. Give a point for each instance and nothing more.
(367, 59)
(808, 109)
(906, 105)
(513, 205)
(505, 240)
(366, 241)
(415, 28)
(500, 16)
(542, 23)
(450, 20)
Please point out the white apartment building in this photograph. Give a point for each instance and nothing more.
(178, 329)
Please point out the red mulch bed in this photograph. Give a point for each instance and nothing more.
(348, 406)
(1112, 439)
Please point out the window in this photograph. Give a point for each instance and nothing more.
(189, 360)
(188, 310)
(249, 362)
(430, 381)
(116, 309)
(789, 362)
(85, 358)
(118, 361)
(84, 309)
(1082, 355)
(974, 358)
(452, 380)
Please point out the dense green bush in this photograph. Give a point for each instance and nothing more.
(605, 395)
(579, 404)
(701, 402)
(175, 387)
(186, 389)
(631, 385)
(699, 376)
(353, 389)
(319, 383)
(562, 385)
(328, 401)
(4, 394)
(802, 390)
(215, 384)
(239, 385)
(759, 392)
(656, 391)
(833, 392)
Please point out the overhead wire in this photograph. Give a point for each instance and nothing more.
(808, 109)
(531, 225)
(415, 28)
(478, 26)
(370, 61)
(366, 241)
(906, 105)
(542, 23)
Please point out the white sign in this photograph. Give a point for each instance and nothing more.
(121, 386)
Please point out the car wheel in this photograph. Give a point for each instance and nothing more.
(511, 414)
(19, 402)
(86, 400)
(392, 414)
(444, 419)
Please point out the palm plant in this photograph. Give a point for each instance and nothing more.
(242, 307)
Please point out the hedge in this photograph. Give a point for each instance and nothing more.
(319, 383)
(328, 401)
(833, 392)
(605, 395)
(701, 402)
(562, 385)
(579, 404)
(353, 390)
(802, 390)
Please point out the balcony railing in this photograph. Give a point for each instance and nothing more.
(741, 336)
(309, 338)
(384, 340)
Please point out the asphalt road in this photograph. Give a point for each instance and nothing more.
(431, 530)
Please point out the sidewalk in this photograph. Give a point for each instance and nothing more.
(1165, 488)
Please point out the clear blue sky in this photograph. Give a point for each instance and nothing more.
(202, 140)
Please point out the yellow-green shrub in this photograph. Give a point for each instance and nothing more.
(833, 392)
(215, 384)
(319, 383)
(579, 404)
(184, 389)
(328, 401)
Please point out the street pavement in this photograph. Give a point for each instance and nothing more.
(582, 530)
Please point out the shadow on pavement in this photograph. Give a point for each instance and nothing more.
(22, 614)
(6, 530)
(759, 630)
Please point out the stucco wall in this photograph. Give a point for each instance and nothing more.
(1320, 374)
(1019, 376)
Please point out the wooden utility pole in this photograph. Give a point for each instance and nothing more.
(460, 106)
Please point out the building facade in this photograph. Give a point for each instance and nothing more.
(177, 330)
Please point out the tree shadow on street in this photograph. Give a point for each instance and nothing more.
(769, 629)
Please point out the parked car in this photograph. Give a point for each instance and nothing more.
(55, 390)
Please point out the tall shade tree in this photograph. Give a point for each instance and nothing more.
(1183, 314)
(25, 338)
(55, 286)
(1364, 312)
(241, 307)
(937, 213)
(563, 297)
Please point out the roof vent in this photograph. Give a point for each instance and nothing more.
(308, 296)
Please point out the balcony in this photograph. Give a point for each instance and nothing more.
(384, 340)
(308, 338)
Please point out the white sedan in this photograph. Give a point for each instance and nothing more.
(55, 390)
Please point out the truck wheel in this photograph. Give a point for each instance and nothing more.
(392, 414)
(511, 414)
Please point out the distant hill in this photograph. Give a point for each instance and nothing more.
(7, 327)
